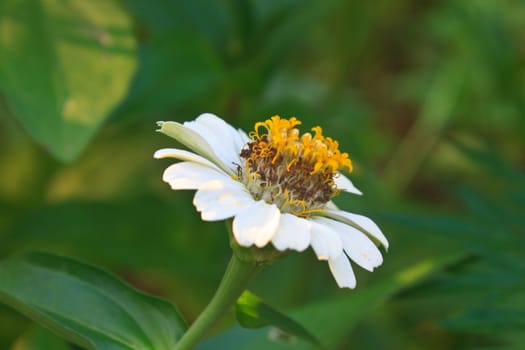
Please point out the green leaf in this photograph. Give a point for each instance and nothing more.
(86, 305)
(208, 19)
(175, 67)
(487, 321)
(284, 25)
(65, 67)
(252, 312)
(180, 54)
(332, 320)
(325, 317)
(39, 339)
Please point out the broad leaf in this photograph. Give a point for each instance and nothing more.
(252, 312)
(86, 305)
(65, 67)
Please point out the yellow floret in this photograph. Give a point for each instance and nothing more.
(296, 172)
(322, 152)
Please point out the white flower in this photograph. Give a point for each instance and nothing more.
(277, 185)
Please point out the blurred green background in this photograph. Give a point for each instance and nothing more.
(427, 97)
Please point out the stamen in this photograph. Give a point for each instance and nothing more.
(296, 172)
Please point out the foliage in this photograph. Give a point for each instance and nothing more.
(427, 97)
(87, 306)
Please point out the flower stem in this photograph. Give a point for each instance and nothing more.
(235, 279)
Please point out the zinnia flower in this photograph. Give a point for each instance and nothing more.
(277, 185)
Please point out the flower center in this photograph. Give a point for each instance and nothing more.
(295, 172)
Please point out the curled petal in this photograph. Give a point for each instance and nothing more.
(362, 223)
(183, 155)
(225, 141)
(196, 142)
(344, 184)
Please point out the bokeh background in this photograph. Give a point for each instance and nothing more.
(427, 97)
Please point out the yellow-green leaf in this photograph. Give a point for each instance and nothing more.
(66, 64)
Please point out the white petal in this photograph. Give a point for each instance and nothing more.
(218, 200)
(191, 176)
(257, 224)
(357, 245)
(244, 138)
(225, 141)
(293, 233)
(331, 205)
(342, 271)
(183, 155)
(360, 222)
(344, 184)
(194, 141)
(325, 241)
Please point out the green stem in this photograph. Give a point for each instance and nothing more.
(235, 279)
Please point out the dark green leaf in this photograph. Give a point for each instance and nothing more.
(208, 19)
(252, 312)
(179, 56)
(39, 339)
(486, 321)
(325, 317)
(174, 67)
(86, 305)
(65, 67)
